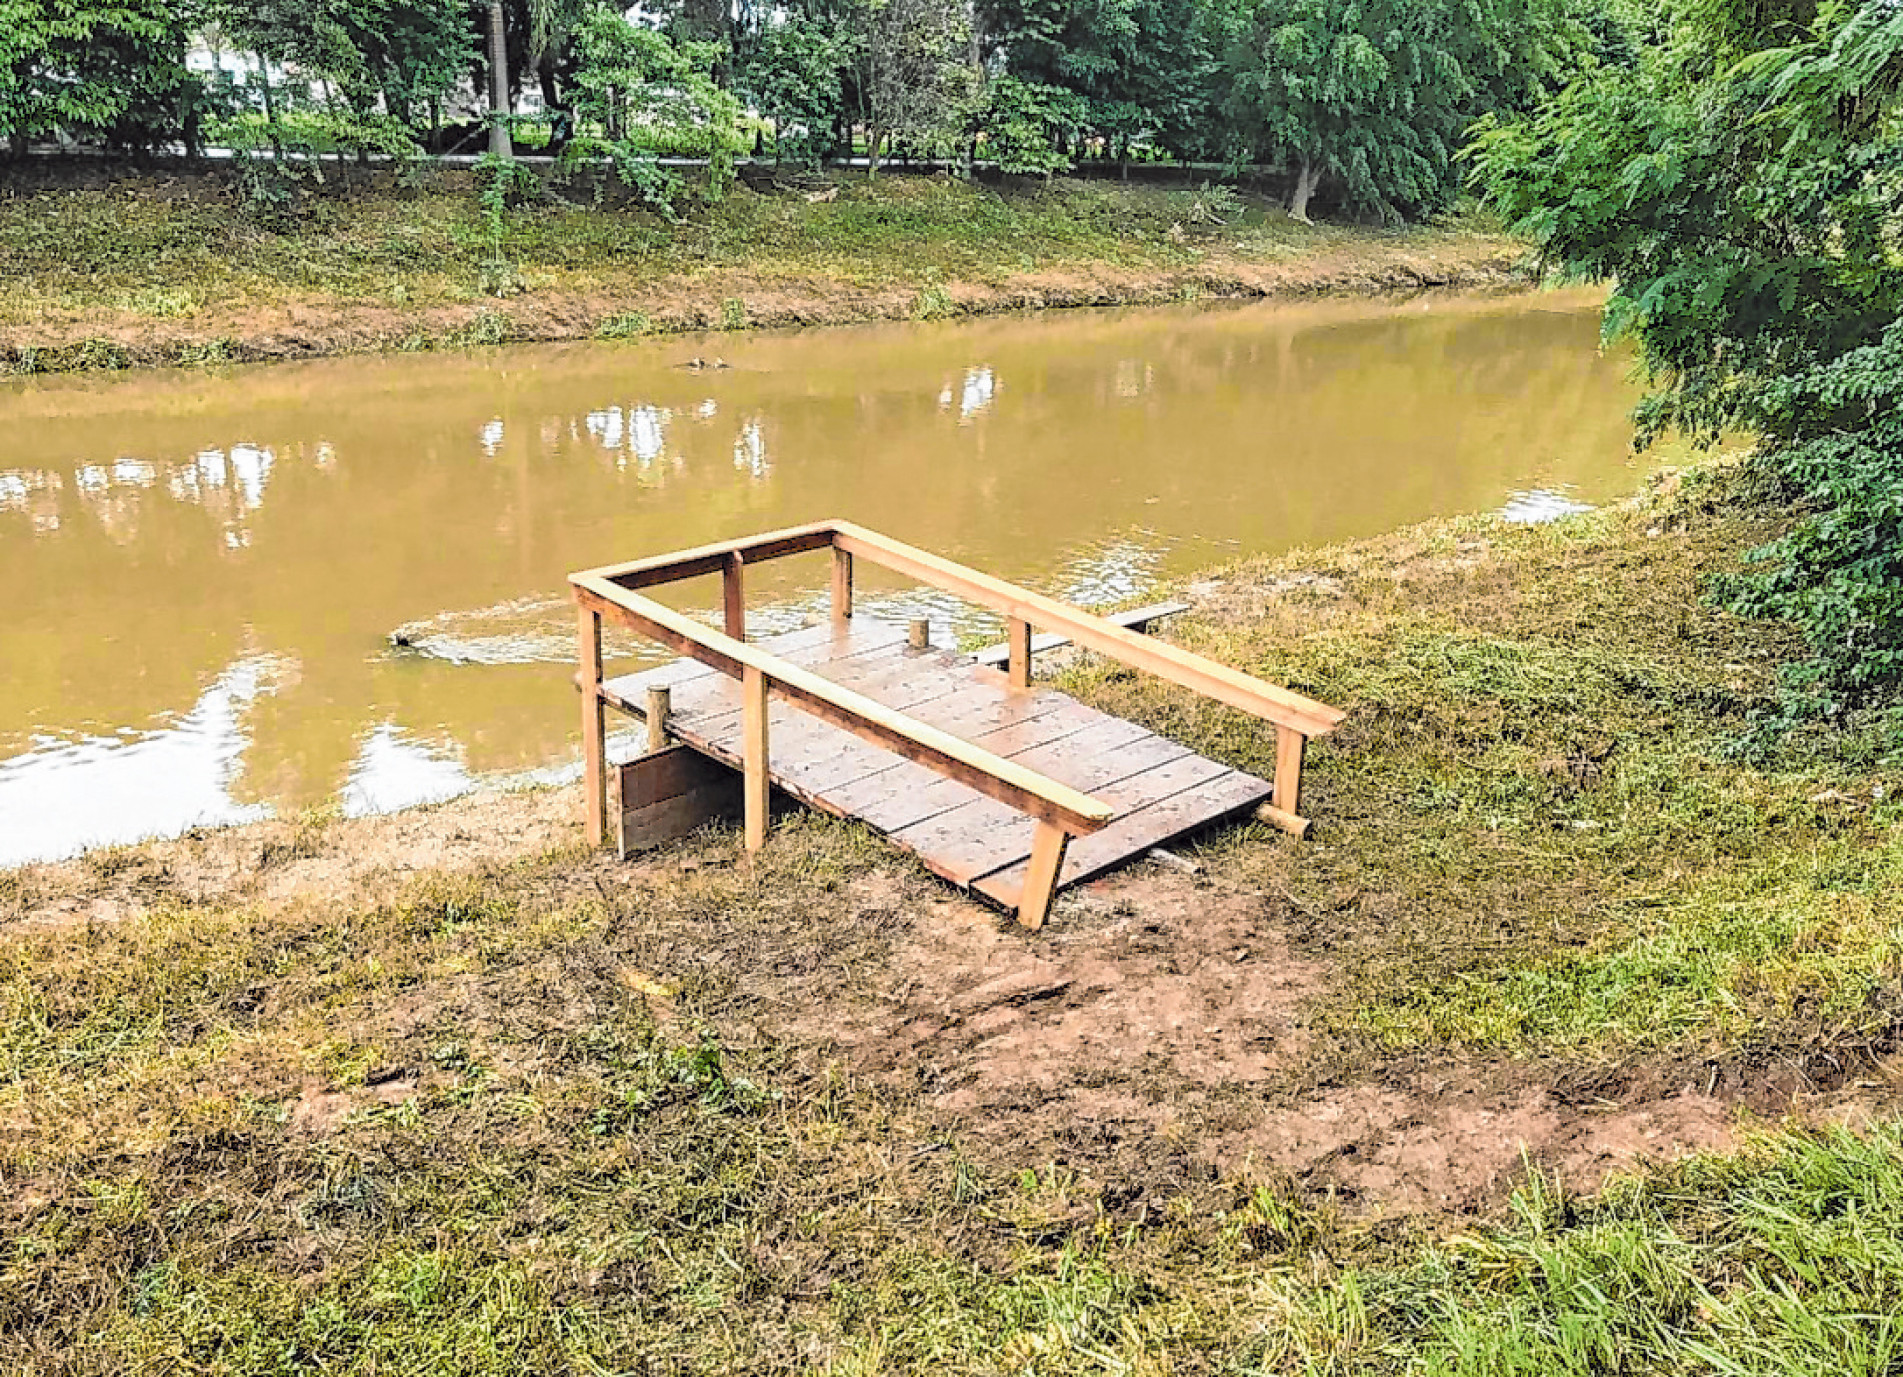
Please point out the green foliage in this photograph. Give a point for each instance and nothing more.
(1743, 208)
(501, 183)
(1141, 70)
(922, 87)
(633, 83)
(400, 52)
(794, 74)
(117, 70)
(1029, 127)
(1376, 98)
(625, 325)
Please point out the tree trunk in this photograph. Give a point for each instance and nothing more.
(270, 106)
(1305, 179)
(499, 143)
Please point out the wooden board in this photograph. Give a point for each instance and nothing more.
(1160, 789)
(663, 797)
(1136, 619)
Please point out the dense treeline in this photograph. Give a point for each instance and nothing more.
(1740, 188)
(1363, 104)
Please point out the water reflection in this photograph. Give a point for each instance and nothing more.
(1540, 506)
(60, 796)
(163, 536)
(394, 771)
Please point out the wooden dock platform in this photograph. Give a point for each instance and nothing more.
(1160, 790)
(1001, 786)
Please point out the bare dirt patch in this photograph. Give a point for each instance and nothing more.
(324, 862)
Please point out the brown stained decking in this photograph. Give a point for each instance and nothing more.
(1160, 789)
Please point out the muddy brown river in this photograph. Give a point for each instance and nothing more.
(203, 571)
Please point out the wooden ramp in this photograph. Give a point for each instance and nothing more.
(1158, 789)
(1007, 788)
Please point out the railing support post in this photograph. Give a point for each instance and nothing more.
(842, 587)
(660, 708)
(754, 755)
(1017, 635)
(594, 730)
(733, 591)
(1048, 844)
(1289, 745)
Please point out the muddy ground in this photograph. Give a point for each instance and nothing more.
(1158, 1031)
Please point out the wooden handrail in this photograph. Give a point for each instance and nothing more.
(1029, 792)
(715, 558)
(1207, 677)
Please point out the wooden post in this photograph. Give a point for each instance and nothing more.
(842, 588)
(594, 731)
(660, 708)
(1048, 843)
(733, 589)
(1289, 745)
(753, 739)
(1017, 635)
(919, 634)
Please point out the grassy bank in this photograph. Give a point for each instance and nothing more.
(135, 271)
(446, 1093)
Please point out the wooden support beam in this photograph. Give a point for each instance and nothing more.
(1289, 745)
(919, 634)
(669, 795)
(1017, 635)
(757, 786)
(1048, 844)
(594, 729)
(660, 707)
(1296, 827)
(842, 587)
(733, 593)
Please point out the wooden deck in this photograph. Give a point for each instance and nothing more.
(988, 778)
(1160, 790)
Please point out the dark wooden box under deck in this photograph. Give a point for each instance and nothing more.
(1161, 790)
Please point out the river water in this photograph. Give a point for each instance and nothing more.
(203, 571)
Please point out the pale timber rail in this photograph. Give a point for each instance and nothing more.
(1059, 811)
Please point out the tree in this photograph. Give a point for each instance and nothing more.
(921, 78)
(1139, 69)
(794, 73)
(1740, 191)
(1376, 96)
(384, 60)
(114, 69)
(1029, 126)
(637, 89)
(498, 43)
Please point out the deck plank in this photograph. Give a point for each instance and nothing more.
(1160, 788)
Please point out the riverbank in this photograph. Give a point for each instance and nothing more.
(128, 271)
(446, 1085)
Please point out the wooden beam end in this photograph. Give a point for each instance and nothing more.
(1297, 827)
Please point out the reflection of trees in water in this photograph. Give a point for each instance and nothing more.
(1070, 452)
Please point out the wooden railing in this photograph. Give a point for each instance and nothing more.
(1061, 812)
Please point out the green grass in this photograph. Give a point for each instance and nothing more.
(533, 1118)
(1538, 829)
(147, 253)
(1778, 1261)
